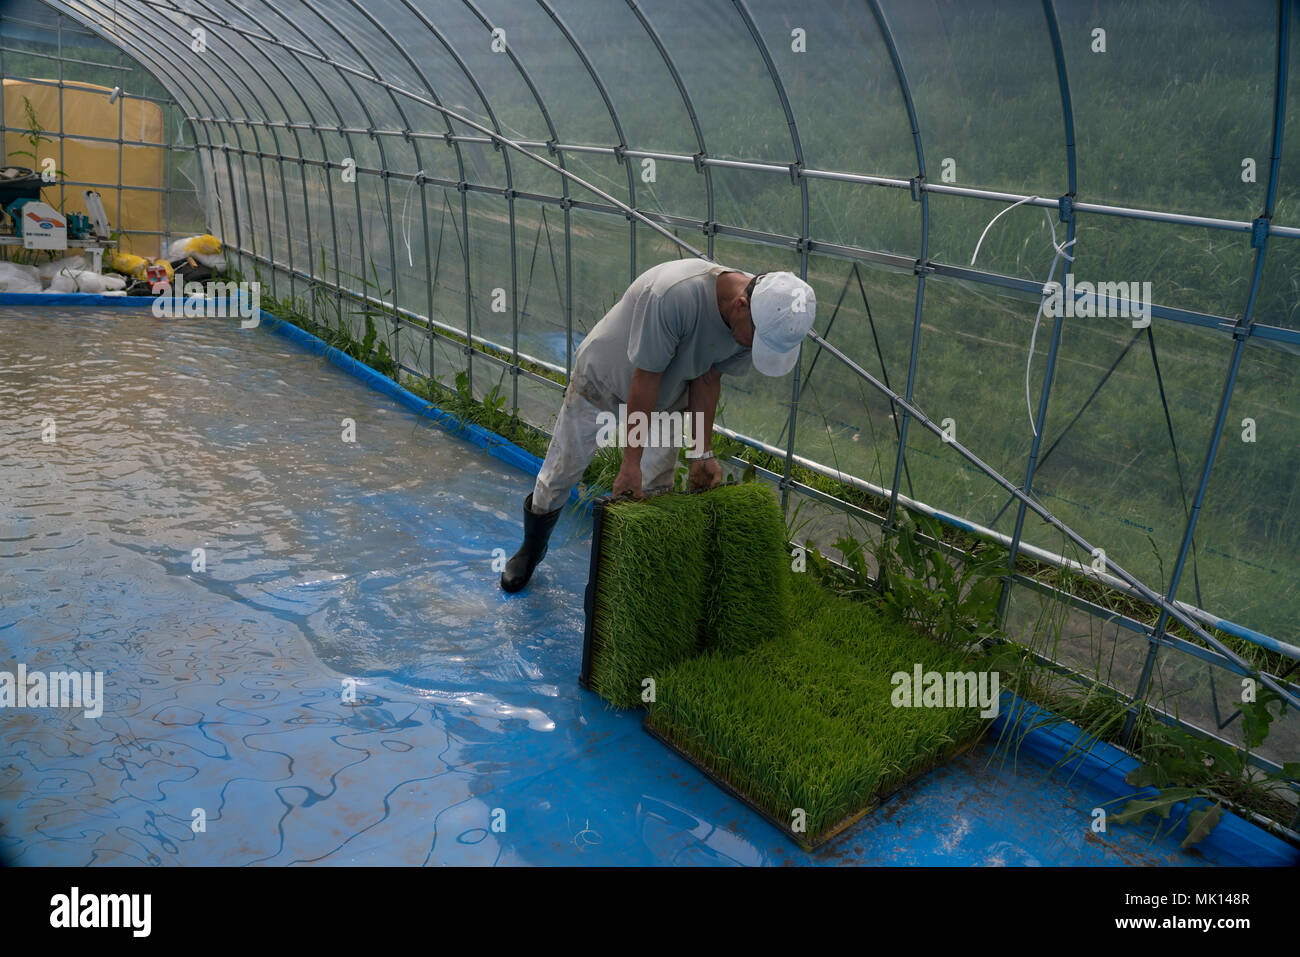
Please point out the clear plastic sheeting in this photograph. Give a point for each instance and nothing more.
(499, 171)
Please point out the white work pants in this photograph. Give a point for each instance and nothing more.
(573, 445)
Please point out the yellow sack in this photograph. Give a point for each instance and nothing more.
(128, 264)
(135, 266)
(204, 245)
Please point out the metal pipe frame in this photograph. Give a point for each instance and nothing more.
(702, 157)
(1240, 329)
(288, 224)
(564, 187)
(1238, 350)
(1030, 288)
(392, 239)
(9, 17)
(320, 132)
(802, 246)
(510, 191)
(922, 262)
(1168, 608)
(215, 19)
(460, 165)
(994, 196)
(1040, 420)
(145, 44)
(613, 116)
(123, 41)
(75, 84)
(87, 138)
(64, 58)
(275, 137)
(330, 25)
(967, 192)
(222, 76)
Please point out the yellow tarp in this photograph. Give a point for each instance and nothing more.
(87, 112)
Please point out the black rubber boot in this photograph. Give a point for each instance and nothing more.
(537, 532)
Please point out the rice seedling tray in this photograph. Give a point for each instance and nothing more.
(826, 836)
(589, 596)
(779, 691)
(811, 720)
(676, 574)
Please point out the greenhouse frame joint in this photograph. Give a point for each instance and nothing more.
(1259, 232)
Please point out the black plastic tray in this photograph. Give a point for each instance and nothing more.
(589, 598)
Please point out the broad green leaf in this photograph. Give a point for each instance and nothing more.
(1161, 805)
(1147, 776)
(1201, 823)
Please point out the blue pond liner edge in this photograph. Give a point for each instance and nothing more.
(1054, 740)
(1038, 731)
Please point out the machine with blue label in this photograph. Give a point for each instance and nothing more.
(35, 224)
(39, 225)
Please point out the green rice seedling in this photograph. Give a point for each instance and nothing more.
(650, 590)
(680, 574)
(748, 594)
(804, 724)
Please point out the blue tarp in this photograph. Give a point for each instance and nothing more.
(440, 741)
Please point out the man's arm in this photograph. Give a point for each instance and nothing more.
(704, 394)
(642, 396)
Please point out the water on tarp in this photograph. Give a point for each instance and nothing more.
(306, 654)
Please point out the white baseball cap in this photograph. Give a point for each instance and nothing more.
(783, 308)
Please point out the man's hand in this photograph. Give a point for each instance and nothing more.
(629, 478)
(703, 405)
(641, 397)
(705, 474)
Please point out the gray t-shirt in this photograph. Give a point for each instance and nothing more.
(667, 322)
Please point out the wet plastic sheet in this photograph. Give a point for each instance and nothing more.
(467, 739)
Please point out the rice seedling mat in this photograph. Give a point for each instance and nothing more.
(825, 836)
(780, 692)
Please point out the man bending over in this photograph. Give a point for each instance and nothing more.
(663, 347)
